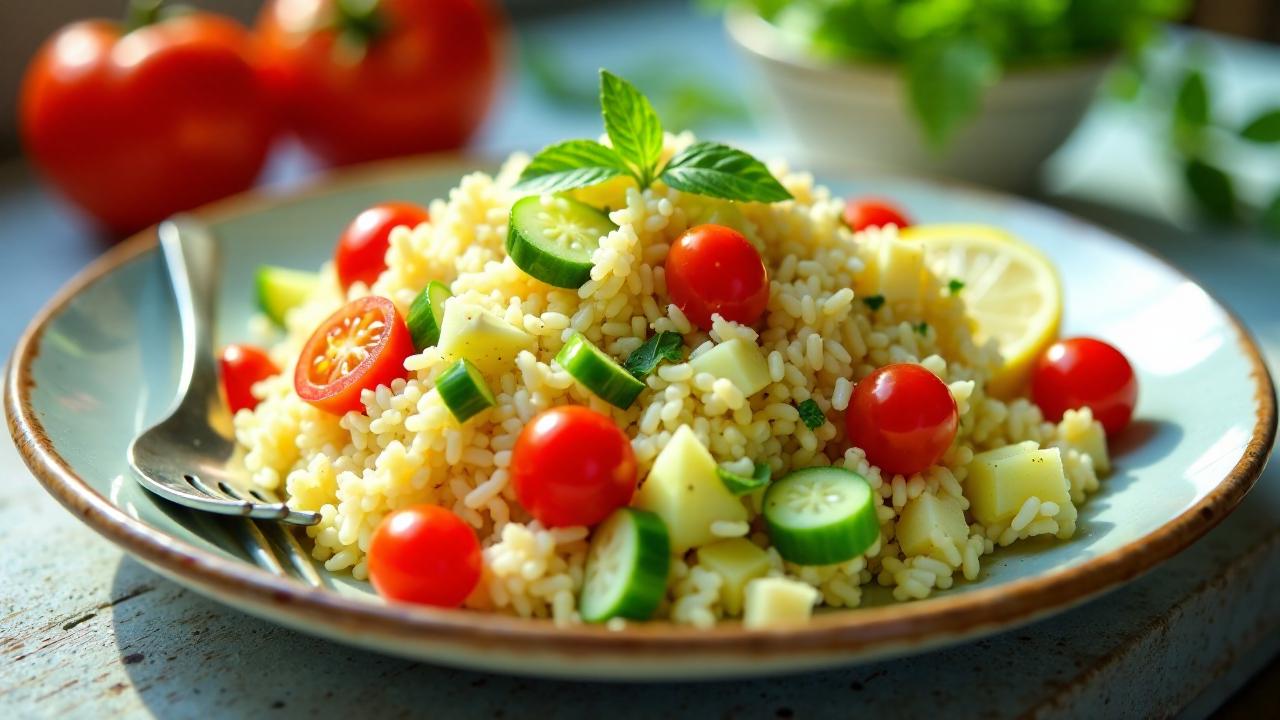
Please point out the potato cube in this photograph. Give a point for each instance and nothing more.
(926, 515)
(685, 490)
(1079, 431)
(738, 361)
(737, 561)
(1001, 480)
(777, 602)
(472, 332)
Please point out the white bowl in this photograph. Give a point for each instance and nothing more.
(842, 115)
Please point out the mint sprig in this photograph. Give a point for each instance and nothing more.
(666, 345)
(633, 127)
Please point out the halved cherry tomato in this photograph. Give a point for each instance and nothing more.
(1084, 372)
(862, 213)
(572, 466)
(903, 417)
(242, 367)
(362, 250)
(424, 554)
(360, 347)
(713, 269)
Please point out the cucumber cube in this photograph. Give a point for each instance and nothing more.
(1000, 481)
(738, 361)
(926, 515)
(488, 341)
(777, 602)
(684, 489)
(737, 561)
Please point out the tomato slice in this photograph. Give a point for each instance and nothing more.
(360, 347)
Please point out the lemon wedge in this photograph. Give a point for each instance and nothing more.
(1011, 290)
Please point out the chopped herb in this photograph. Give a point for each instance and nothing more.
(741, 484)
(811, 414)
(923, 328)
(643, 360)
(875, 302)
(955, 286)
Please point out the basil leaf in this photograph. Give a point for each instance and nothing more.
(743, 485)
(716, 170)
(811, 414)
(1212, 189)
(945, 82)
(1191, 107)
(1263, 129)
(632, 125)
(570, 164)
(643, 360)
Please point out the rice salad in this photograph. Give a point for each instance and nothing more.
(838, 310)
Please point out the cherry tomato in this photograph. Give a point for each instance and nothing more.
(133, 127)
(572, 466)
(360, 347)
(1084, 372)
(362, 249)
(368, 80)
(713, 269)
(862, 213)
(424, 554)
(903, 417)
(242, 367)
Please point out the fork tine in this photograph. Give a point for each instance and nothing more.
(256, 544)
(286, 543)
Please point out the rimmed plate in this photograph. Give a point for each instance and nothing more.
(100, 361)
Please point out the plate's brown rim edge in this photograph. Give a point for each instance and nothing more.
(864, 630)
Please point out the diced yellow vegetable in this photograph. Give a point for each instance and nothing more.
(738, 361)
(926, 515)
(1085, 434)
(777, 602)
(898, 272)
(684, 489)
(736, 561)
(488, 341)
(1000, 481)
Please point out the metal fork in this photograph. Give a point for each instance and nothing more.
(185, 457)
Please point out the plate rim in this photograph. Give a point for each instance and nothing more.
(854, 632)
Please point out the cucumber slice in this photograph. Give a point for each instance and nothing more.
(743, 485)
(553, 241)
(464, 390)
(627, 567)
(598, 372)
(282, 289)
(821, 516)
(426, 313)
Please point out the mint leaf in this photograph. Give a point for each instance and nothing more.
(923, 329)
(955, 285)
(875, 302)
(1263, 129)
(643, 360)
(632, 125)
(743, 485)
(1212, 189)
(1191, 108)
(716, 170)
(811, 414)
(945, 81)
(570, 164)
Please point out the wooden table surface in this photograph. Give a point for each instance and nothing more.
(86, 631)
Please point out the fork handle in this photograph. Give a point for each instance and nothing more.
(191, 256)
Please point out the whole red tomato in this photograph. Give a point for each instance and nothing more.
(135, 126)
(386, 78)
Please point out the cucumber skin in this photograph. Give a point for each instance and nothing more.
(455, 385)
(621, 386)
(423, 323)
(649, 581)
(828, 544)
(553, 270)
(263, 289)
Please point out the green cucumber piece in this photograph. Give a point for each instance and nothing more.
(598, 372)
(821, 516)
(426, 313)
(627, 567)
(464, 391)
(553, 241)
(281, 289)
(742, 485)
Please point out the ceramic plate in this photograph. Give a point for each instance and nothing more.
(100, 363)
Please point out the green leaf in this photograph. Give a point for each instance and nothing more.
(945, 81)
(1270, 219)
(875, 302)
(643, 360)
(955, 285)
(743, 485)
(1212, 189)
(570, 164)
(1263, 129)
(632, 125)
(1191, 107)
(922, 329)
(716, 170)
(811, 414)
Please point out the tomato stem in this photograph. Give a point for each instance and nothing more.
(141, 13)
(359, 22)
